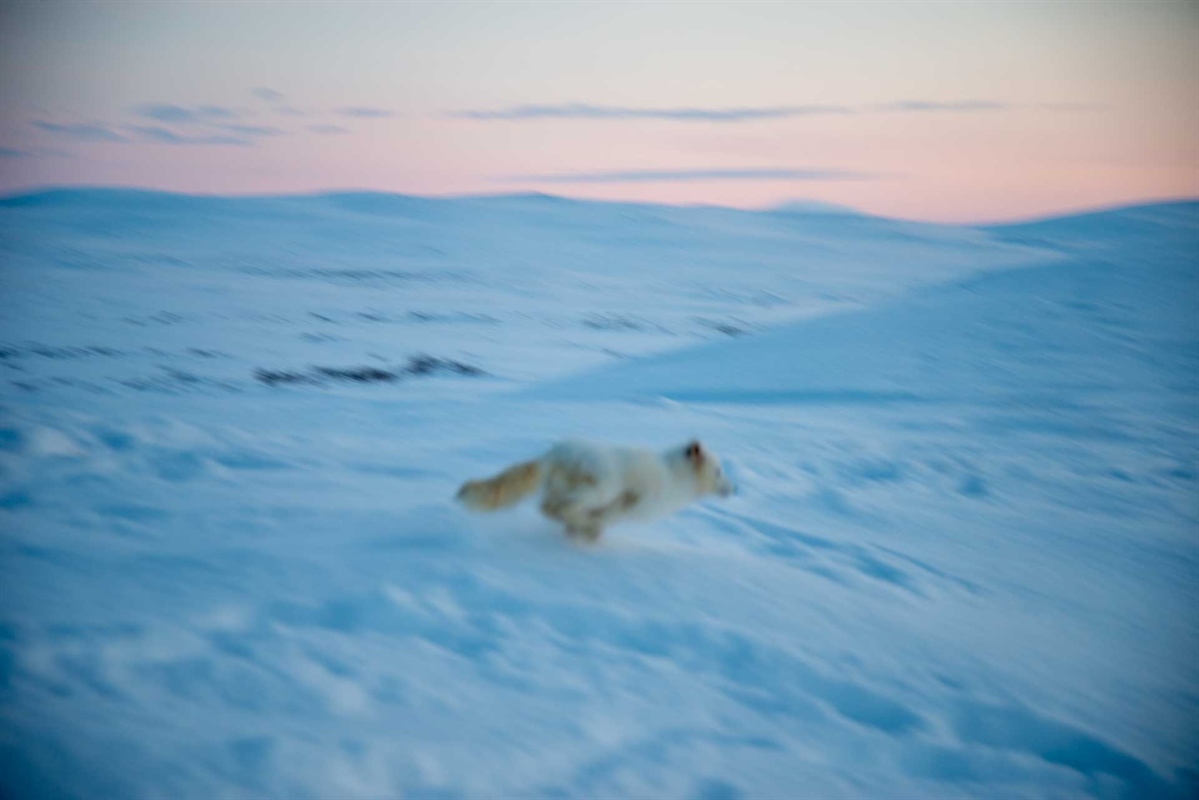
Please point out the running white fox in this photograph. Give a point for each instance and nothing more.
(588, 487)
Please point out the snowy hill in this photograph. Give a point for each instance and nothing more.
(526, 286)
(962, 563)
(1121, 319)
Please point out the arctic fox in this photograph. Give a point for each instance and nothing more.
(589, 486)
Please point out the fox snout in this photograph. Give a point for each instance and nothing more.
(722, 486)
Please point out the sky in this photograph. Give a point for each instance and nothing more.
(943, 111)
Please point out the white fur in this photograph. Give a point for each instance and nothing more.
(588, 486)
(623, 483)
(664, 482)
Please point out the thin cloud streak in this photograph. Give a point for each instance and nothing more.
(254, 130)
(956, 105)
(165, 136)
(662, 175)
(586, 111)
(169, 112)
(34, 152)
(267, 94)
(364, 112)
(328, 129)
(80, 132)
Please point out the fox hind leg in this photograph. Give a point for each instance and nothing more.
(589, 532)
(588, 524)
(555, 508)
(610, 512)
(581, 524)
(565, 500)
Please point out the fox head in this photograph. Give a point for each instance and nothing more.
(710, 477)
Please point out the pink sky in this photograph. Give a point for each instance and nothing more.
(927, 110)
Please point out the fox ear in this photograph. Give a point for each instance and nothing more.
(695, 452)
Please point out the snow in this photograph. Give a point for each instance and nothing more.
(962, 561)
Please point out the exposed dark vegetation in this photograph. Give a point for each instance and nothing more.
(420, 365)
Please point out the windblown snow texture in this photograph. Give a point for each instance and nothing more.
(963, 561)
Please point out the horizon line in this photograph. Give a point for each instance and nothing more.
(7, 196)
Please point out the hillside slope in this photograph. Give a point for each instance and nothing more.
(962, 562)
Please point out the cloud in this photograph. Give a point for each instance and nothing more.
(585, 111)
(80, 132)
(169, 112)
(956, 105)
(165, 136)
(33, 152)
(364, 111)
(660, 175)
(269, 95)
(254, 130)
(328, 129)
(290, 111)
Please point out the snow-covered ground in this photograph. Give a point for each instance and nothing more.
(964, 560)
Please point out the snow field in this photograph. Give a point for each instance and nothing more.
(962, 562)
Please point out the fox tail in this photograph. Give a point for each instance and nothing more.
(508, 488)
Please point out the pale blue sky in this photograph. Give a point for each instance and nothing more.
(963, 110)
